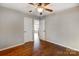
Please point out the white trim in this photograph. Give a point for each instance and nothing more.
(46, 40)
(11, 46)
(64, 46)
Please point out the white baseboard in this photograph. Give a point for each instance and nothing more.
(64, 46)
(11, 46)
(14, 45)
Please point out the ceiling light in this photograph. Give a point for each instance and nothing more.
(39, 9)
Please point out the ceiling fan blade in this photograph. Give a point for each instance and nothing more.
(39, 4)
(30, 11)
(50, 10)
(45, 4)
(31, 3)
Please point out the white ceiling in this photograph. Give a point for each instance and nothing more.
(25, 8)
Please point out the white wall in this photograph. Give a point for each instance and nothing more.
(57, 7)
(11, 27)
(63, 28)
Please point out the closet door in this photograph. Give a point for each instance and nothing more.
(27, 29)
(42, 29)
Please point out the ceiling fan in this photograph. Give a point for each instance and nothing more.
(41, 7)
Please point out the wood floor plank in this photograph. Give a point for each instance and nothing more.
(47, 49)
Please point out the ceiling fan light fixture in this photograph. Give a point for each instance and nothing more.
(39, 9)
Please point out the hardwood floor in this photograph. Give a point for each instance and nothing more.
(47, 49)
